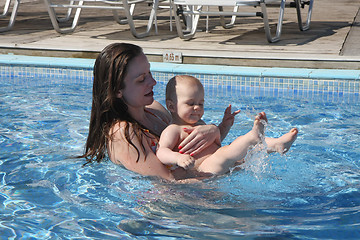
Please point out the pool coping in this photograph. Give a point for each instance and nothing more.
(275, 72)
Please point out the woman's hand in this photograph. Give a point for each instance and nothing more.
(199, 138)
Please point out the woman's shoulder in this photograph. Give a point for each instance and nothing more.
(118, 132)
(119, 126)
(122, 132)
(122, 136)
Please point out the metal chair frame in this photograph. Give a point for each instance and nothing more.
(78, 5)
(6, 11)
(194, 9)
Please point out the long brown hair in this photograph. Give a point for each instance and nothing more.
(110, 70)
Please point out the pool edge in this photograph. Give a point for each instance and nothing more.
(276, 72)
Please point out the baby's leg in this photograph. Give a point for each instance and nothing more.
(225, 157)
(283, 143)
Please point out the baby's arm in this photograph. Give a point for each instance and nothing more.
(227, 122)
(169, 139)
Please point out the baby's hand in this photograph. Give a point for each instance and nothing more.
(185, 161)
(229, 118)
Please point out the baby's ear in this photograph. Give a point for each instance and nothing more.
(170, 105)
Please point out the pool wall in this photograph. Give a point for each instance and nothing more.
(247, 78)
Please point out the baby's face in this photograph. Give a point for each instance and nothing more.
(190, 102)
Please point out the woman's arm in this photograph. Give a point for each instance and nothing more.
(121, 152)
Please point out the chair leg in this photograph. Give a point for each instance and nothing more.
(13, 14)
(191, 22)
(67, 16)
(266, 21)
(300, 4)
(124, 20)
(233, 18)
(171, 17)
(54, 19)
(6, 8)
(131, 20)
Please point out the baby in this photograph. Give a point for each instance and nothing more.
(185, 101)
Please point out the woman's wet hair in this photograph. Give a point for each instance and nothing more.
(107, 109)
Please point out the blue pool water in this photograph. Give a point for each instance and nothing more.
(310, 193)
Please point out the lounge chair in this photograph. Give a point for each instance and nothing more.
(6, 10)
(193, 9)
(115, 5)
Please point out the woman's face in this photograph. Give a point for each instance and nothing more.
(139, 83)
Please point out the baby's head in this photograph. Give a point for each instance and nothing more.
(185, 99)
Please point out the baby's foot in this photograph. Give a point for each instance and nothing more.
(258, 129)
(283, 143)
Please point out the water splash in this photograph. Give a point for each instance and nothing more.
(250, 113)
(256, 160)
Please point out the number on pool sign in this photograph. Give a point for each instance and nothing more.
(172, 57)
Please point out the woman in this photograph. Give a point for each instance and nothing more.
(126, 121)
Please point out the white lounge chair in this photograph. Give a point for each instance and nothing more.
(127, 6)
(6, 10)
(193, 9)
(15, 7)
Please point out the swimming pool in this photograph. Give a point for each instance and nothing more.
(311, 193)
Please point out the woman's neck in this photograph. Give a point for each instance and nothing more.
(138, 114)
(147, 120)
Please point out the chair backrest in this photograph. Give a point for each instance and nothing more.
(207, 2)
(222, 2)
